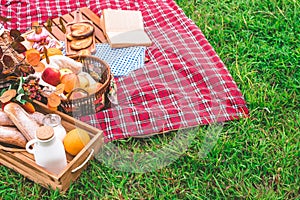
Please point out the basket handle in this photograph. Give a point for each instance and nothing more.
(84, 162)
(78, 89)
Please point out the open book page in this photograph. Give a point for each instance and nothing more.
(122, 20)
(125, 28)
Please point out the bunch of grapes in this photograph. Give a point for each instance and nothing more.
(32, 88)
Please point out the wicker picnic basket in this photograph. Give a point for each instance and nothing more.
(98, 99)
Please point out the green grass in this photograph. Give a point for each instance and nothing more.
(253, 158)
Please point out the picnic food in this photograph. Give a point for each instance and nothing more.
(4, 119)
(64, 71)
(60, 62)
(70, 80)
(28, 107)
(75, 140)
(40, 38)
(81, 44)
(81, 30)
(32, 57)
(21, 120)
(12, 136)
(80, 36)
(38, 117)
(17, 126)
(51, 75)
(53, 52)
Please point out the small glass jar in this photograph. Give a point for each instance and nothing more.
(54, 121)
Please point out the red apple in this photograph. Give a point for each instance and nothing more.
(51, 76)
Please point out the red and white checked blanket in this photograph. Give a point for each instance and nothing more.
(185, 84)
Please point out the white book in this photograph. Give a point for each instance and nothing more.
(124, 28)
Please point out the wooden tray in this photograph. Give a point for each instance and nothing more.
(23, 162)
(87, 14)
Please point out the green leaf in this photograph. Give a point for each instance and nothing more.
(3, 90)
(19, 99)
(20, 88)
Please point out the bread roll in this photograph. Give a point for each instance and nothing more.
(38, 117)
(12, 136)
(22, 120)
(4, 119)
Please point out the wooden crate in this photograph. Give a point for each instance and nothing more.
(23, 162)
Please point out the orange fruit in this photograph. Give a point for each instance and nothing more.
(75, 140)
(33, 57)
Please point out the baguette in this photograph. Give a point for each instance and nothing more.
(38, 117)
(12, 136)
(22, 120)
(4, 119)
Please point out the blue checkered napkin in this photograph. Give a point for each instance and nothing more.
(121, 61)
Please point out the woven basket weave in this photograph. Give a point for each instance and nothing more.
(96, 100)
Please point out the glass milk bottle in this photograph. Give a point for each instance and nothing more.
(54, 121)
(48, 151)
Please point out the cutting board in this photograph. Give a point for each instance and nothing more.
(79, 19)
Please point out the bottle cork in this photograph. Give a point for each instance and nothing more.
(44, 132)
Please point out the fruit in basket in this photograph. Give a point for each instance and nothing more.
(64, 71)
(51, 76)
(70, 80)
(83, 81)
(94, 88)
(75, 140)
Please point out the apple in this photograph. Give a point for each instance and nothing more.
(70, 80)
(64, 71)
(51, 76)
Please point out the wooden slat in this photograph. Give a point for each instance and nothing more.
(87, 14)
(57, 29)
